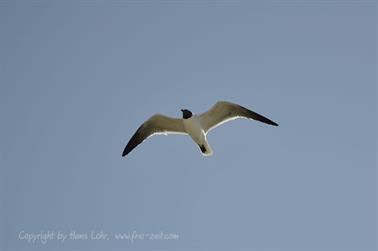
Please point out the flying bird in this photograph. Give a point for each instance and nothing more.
(196, 126)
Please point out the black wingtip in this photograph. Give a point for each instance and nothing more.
(124, 153)
(269, 122)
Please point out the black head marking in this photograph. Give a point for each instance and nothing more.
(186, 114)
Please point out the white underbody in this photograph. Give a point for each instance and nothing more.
(194, 128)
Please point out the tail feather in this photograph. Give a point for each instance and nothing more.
(205, 149)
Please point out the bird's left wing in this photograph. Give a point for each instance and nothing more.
(223, 112)
(157, 124)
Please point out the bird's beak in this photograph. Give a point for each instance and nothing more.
(182, 110)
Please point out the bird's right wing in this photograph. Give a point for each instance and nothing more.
(223, 112)
(157, 124)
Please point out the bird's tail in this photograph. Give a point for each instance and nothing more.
(205, 149)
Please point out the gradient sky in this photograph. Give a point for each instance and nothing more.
(77, 78)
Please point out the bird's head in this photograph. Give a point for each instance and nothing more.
(186, 113)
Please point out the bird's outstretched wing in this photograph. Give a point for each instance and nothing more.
(157, 124)
(223, 112)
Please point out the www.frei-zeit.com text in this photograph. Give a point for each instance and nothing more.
(44, 237)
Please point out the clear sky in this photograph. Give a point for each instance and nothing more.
(77, 78)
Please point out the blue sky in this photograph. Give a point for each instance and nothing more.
(79, 77)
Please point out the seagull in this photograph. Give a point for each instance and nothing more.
(196, 126)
